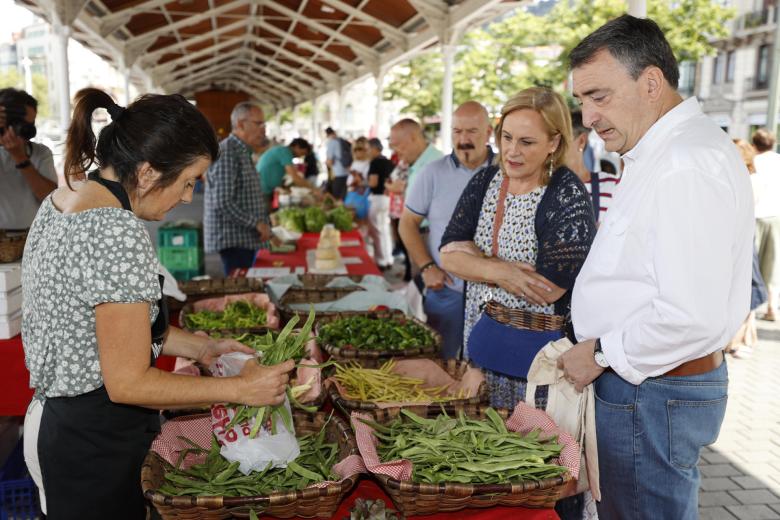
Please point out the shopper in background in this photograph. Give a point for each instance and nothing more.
(276, 165)
(235, 216)
(27, 172)
(339, 159)
(379, 170)
(94, 320)
(432, 198)
(766, 192)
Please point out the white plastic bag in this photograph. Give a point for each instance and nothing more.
(253, 453)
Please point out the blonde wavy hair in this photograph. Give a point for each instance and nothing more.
(555, 115)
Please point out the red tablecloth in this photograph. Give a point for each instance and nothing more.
(15, 391)
(369, 489)
(308, 241)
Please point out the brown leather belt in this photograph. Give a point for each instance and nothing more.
(697, 366)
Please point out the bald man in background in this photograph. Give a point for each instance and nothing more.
(408, 142)
(432, 196)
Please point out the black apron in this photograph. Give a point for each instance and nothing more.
(91, 449)
(595, 194)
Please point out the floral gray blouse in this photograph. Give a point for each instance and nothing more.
(72, 263)
(517, 242)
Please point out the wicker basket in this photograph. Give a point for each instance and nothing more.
(421, 499)
(308, 503)
(314, 290)
(188, 308)
(202, 289)
(453, 367)
(373, 358)
(11, 246)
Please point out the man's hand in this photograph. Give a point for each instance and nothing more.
(579, 366)
(435, 278)
(12, 142)
(264, 230)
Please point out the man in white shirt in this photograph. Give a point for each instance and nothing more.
(667, 281)
(766, 195)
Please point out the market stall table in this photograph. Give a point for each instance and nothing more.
(308, 241)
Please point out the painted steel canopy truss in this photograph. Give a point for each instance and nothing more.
(281, 52)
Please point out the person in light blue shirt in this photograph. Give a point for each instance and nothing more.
(432, 196)
(335, 162)
(278, 162)
(408, 142)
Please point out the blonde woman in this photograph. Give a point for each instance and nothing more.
(518, 236)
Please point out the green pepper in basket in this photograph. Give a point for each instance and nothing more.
(363, 332)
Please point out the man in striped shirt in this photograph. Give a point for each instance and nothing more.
(600, 185)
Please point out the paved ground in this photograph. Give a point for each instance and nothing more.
(741, 471)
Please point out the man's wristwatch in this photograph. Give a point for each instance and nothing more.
(598, 355)
(23, 164)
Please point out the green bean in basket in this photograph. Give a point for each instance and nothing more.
(363, 332)
(218, 477)
(285, 346)
(237, 315)
(468, 451)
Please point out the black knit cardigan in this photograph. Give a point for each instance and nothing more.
(564, 225)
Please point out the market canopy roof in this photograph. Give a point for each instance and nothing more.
(281, 52)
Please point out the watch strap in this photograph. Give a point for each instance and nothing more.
(23, 164)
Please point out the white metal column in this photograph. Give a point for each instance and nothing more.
(342, 98)
(62, 73)
(126, 78)
(637, 8)
(315, 138)
(448, 55)
(771, 114)
(380, 88)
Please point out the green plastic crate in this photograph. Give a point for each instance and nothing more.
(179, 236)
(181, 258)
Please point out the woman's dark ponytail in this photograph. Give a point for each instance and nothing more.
(81, 141)
(168, 132)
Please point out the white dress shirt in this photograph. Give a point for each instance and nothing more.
(766, 184)
(668, 276)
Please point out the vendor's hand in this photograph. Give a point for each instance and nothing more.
(261, 385)
(515, 278)
(579, 366)
(264, 230)
(13, 144)
(435, 278)
(216, 347)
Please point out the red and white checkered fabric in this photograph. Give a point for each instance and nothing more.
(526, 418)
(367, 442)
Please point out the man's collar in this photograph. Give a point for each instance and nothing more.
(240, 141)
(677, 115)
(487, 162)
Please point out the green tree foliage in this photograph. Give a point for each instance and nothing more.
(522, 50)
(40, 91)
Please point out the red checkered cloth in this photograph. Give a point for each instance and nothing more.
(197, 428)
(524, 419)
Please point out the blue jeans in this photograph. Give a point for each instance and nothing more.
(649, 439)
(235, 258)
(444, 309)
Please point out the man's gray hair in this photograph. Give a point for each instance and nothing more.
(240, 112)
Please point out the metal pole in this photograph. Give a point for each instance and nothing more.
(448, 54)
(771, 114)
(637, 8)
(342, 93)
(380, 88)
(63, 36)
(126, 74)
(314, 136)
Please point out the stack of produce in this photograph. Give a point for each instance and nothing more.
(468, 451)
(314, 218)
(237, 315)
(327, 255)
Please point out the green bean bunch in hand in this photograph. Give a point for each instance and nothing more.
(468, 451)
(285, 346)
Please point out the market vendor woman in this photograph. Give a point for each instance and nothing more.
(94, 320)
